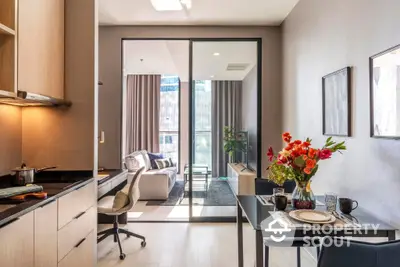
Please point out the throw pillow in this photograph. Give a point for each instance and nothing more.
(163, 163)
(153, 157)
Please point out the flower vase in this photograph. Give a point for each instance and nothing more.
(303, 197)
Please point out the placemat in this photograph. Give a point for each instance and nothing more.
(283, 216)
(266, 200)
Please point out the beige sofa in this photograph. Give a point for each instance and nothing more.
(154, 184)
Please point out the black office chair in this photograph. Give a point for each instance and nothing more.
(266, 187)
(364, 254)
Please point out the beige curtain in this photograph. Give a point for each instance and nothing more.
(143, 113)
(227, 111)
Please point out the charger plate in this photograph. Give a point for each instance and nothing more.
(312, 216)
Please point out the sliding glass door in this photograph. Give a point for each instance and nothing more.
(224, 92)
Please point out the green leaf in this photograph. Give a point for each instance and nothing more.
(299, 161)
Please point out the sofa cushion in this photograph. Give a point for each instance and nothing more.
(163, 163)
(135, 161)
(153, 157)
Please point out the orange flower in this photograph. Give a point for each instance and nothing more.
(312, 153)
(307, 170)
(310, 163)
(286, 137)
(305, 157)
(289, 147)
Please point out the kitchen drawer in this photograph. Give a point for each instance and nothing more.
(76, 202)
(83, 253)
(104, 189)
(70, 235)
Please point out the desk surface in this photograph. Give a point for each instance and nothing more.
(257, 212)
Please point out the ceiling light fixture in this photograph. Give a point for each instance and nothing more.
(212, 76)
(216, 54)
(171, 5)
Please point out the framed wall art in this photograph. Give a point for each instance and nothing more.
(336, 103)
(384, 77)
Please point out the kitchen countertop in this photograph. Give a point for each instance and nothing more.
(54, 190)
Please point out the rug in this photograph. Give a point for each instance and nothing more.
(218, 193)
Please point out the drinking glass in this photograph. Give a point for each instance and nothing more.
(330, 201)
(278, 191)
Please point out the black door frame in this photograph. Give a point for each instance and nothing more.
(192, 127)
(191, 100)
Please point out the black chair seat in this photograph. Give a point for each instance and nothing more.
(363, 254)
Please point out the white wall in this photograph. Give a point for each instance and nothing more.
(249, 112)
(323, 36)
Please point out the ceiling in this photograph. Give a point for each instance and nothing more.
(172, 58)
(202, 12)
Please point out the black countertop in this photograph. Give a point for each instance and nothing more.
(111, 174)
(55, 184)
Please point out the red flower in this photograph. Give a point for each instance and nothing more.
(312, 152)
(286, 137)
(298, 142)
(270, 154)
(325, 154)
(306, 144)
(282, 159)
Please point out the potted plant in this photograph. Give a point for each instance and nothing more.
(298, 161)
(233, 142)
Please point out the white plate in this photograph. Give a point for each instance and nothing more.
(312, 216)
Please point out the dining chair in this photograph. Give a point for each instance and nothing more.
(116, 205)
(266, 187)
(358, 253)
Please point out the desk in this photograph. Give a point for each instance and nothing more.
(255, 212)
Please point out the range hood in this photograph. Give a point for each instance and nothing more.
(26, 99)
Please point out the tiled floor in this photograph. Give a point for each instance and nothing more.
(190, 245)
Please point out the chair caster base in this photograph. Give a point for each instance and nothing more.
(143, 244)
(122, 256)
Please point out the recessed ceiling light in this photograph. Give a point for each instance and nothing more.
(212, 76)
(216, 54)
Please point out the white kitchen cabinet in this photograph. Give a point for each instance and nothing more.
(83, 254)
(46, 235)
(17, 245)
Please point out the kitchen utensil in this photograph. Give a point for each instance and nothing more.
(40, 195)
(25, 175)
(346, 205)
(312, 216)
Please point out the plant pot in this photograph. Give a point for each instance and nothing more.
(303, 197)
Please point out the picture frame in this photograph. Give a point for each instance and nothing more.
(384, 78)
(336, 103)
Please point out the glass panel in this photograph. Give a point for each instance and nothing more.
(224, 94)
(169, 117)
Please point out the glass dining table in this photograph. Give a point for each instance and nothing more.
(257, 214)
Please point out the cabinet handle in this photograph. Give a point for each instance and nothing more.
(51, 201)
(79, 215)
(80, 242)
(9, 222)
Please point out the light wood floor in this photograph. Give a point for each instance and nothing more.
(190, 245)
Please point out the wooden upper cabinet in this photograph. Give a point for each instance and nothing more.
(7, 45)
(41, 47)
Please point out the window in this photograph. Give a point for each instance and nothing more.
(169, 117)
(202, 113)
